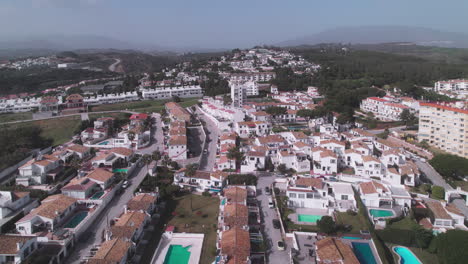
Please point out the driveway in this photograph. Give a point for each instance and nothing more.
(112, 210)
(157, 137)
(208, 158)
(271, 235)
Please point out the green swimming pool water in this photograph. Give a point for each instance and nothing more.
(119, 170)
(177, 254)
(364, 253)
(350, 237)
(406, 256)
(223, 201)
(97, 195)
(76, 220)
(104, 143)
(380, 213)
(308, 218)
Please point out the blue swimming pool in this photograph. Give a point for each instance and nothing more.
(406, 256)
(104, 143)
(350, 237)
(364, 253)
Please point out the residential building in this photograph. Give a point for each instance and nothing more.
(112, 251)
(36, 171)
(444, 126)
(333, 250)
(13, 202)
(169, 92)
(16, 248)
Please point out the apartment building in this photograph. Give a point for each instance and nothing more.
(169, 92)
(254, 76)
(444, 126)
(451, 85)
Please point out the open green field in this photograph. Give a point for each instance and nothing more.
(202, 217)
(9, 117)
(60, 130)
(358, 221)
(143, 106)
(406, 223)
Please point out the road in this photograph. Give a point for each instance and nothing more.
(112, 210)
(378, 131)
(271, 235)
(437, 179)
(208, 159)
(113, 65)
(77, 114)
(157, 137)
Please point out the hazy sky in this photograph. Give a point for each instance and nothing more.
(219, 23)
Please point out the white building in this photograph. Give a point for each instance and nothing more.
(169, 92)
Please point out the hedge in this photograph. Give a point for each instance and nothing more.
(398, 236)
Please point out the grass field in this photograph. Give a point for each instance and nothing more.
(358, 221)
(15, 117)
(114, 115)
(143, 106)
(202, 219)
(405, 223)
(462, 184)
(60, 130)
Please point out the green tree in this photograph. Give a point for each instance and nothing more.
(282, 168)
(236, 154)
(451, 247)
(326, 225)
(423, 237)
(438, 192)
(450, 166)
(276, 110)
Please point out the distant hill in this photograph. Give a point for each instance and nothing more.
(383, 34)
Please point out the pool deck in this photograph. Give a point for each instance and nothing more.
(371, 244)
(183, 239)
(306, 211)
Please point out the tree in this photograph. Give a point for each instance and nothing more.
(407, 117)
(156, 156)
(190, 171)
(147, 160)
(276, 110)
(242, 179)
(131, 135)
(236, 154)
(451, 246)
(450, 166)
(176, 99)
(326, 224)
(423, 237)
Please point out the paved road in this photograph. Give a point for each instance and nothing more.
(437, 179)
(378, 131)
(113, 209)
(157, 137)
(271, 235)
(77, 114)
(208, 159)
(113, 65)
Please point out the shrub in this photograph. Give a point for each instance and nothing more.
(326, 225)
(397, 236)
(450, 166)
(206, 193)
(451, 246)
(438, 192)
(351, 212)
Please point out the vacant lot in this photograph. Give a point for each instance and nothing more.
(143, 106)
(15, 117)
(60, 130)
(198, 214)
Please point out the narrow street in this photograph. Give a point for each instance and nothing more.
(208, 158)
(112, 210)
(272, 235)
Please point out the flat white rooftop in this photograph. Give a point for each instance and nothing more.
(193, 243)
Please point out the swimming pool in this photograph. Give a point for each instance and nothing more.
(406, 256)
(120, 170)
(364, 253)
(97, 195)
(104, 143)
(76, 220)
(308, 218)
(223, 201)
(177, 254)
(381, 213)
(350, 237)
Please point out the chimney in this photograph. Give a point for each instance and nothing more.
(125, 209)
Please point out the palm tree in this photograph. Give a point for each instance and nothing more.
(147, 160)
(156, 156)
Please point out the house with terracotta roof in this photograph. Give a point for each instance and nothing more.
(143, 202)
(334, 145)
(306, 192)
(234, 246)
(177, 112)
(324, 161)
(177, 147)
(12, 202)
(297, 161)
(201, 181)
(251, 128)
(112, 251)
(333, 250)
(129, 226)
(101, 177)
(16, 248)
(49, 104)
(375, 194)
(233, 215)
(80, 188)
(445, 216)
(52, 213)
(254, 160)
(36, 171)
(79, 151)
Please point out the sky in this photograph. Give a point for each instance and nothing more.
(218, 23)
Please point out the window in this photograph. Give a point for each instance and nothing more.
(310, 195)
(344, 197)
(301, 196)
(292, 195)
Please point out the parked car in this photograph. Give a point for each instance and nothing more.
(280, 245)
(276, 224)
(311, 252)
(267, 190)
(270, 203)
